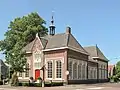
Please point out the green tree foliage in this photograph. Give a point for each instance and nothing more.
(117, 69)
(21, 31)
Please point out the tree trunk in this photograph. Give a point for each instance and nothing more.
(14, 80)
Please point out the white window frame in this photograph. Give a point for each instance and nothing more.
(61, 69)
(38, 52)
(46, 62)
(34, 59)
(70, 62)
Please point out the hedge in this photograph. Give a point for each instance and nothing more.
(1, 82)
(40, 84)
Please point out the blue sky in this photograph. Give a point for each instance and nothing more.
(92, 21)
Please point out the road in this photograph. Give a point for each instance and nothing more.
(103, 86)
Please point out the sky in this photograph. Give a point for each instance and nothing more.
(92, 21)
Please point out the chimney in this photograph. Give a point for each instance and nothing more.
(68, 30)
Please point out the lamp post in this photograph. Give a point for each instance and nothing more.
(43, 81)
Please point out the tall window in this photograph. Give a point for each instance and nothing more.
(37, 57)
(75, 71)
(58, 69)
(20, 74)
(37, 60)
(89, 73)
(94, 73)
(83, 71)
(27, 70)
(37, 64)
(104, 72)
(70, 70)
(79, 71)
(49, 64)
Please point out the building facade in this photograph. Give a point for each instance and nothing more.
(111, 70)
(60, 58)
(3, 70)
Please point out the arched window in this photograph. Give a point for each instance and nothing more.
(49, 65)
(37, 60)
(27, 70)
(58, 69)
(70, 70)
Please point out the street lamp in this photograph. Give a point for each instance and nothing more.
(43, 81)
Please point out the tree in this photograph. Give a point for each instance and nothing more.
(117, 69)
(21, 31)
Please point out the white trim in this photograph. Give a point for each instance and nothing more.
(58, 79)
(40, 41)
(61, 58)
(29, 52)
(67, 47)
(95, 57)
(26, 77)
(46, 72)
(55, 49)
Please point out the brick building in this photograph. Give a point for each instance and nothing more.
(63, 59)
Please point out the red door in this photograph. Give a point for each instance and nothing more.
(37, 74)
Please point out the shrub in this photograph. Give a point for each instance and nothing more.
(37, 84)
(1, 82)
(25, 84)
(114, 78)
(57, 84)
(20, 84)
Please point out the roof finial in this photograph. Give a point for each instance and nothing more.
(52, 26)
(52, 21)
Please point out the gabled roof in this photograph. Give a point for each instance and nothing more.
(95, 52)
(2, 63)
(58, 41)
(64, 40)
(29, 46)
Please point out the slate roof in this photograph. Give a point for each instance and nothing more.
(29, 46)
(58, 41)
(94, 51)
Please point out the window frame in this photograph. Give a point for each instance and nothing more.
(56, 69)
(27, 70)
(70, 69)
(47, 69)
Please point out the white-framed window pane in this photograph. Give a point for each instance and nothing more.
(83, 71)
(27, 70)
(75, 71)
(58, 69)
(49, 65)
(70, 70)
(20, 74)
(37, 64)
(79, 71)
(37, 57)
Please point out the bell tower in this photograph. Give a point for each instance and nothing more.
(52, 26)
